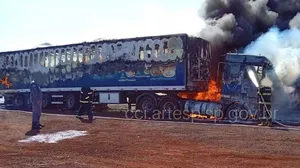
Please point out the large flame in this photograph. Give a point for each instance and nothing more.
(212, 94)
(5, 82)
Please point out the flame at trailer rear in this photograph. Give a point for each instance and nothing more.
(5, 82)
(212, 94)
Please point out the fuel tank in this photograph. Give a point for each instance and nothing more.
(203, 108)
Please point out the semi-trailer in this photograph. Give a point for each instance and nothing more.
(168, 72)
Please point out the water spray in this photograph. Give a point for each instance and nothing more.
(251, 70)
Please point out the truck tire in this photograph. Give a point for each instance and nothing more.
(71, 102)
(19, 101)
(237, 112)
(46, 101)
(168, 105)
(147, 104)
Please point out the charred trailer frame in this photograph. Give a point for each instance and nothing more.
(120, 71)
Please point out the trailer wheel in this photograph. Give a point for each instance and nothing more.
(45, 101)
(71, 102)
(168, 106)
(147, 104)
(19, 101)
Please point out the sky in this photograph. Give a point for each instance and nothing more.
(25, 24)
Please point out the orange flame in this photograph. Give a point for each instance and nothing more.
(199, 116)
(212, 118)
(6, 82)
(212, 94)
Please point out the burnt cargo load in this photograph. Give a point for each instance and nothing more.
(122, 67)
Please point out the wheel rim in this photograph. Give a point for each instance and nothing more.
(18, 101)
(71, 101)
(147, 106)
(168, 107)
(45, 102)
(234, 114)
(238, 113)
(244, 114)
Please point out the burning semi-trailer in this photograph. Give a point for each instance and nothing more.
(194, 74)
(133, 71)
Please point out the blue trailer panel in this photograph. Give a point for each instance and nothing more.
(157, 74)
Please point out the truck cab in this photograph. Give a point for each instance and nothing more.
(241, 77)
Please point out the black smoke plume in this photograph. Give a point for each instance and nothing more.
(233, 24)
(286, 9)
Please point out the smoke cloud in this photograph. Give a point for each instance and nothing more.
(282, 48)
(270, 28)
(233, 24)
(286, 9)
(295, 22)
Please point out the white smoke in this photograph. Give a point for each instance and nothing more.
(295, 22)
(283, 50)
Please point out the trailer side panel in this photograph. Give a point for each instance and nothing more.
(152, 61)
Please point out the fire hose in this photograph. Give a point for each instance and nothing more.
(270, 114)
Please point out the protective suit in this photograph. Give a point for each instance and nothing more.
(265, 94)
(36, 101)
(86, 99)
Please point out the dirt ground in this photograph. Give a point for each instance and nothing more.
(119, 143)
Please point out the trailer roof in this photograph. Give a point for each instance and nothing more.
(97, 42)
(245, 55)
(248, 59)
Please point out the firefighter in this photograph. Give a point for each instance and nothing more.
(36, 101)
(86, 99)
(265, 94)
